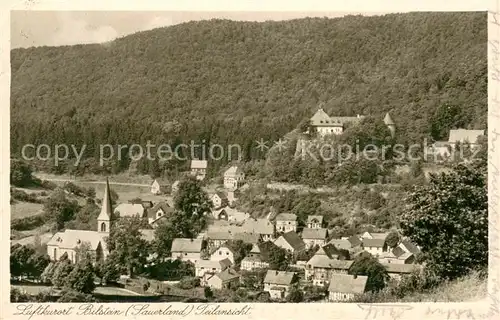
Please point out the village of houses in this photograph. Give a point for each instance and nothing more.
(328, 267)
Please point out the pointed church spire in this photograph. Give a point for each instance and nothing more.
(106, 204)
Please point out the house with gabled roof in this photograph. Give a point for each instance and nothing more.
(397, 255)
(223, 252)
(231, 215)
(159, 211)
(313, 237)
(397, 271)
(325, 125)
(278, 283)
(409, 247)
(445, 148)
(343, 287)
(219, 200)
(291, 242)
(254, 259)
(262, 227)
(199, 169)
(315, 222)
(341, 244)
(234, 177)
(210, 266)
(226, 279)
(286, 222)
(157, 188)
(324, 263)
(354, 241)
(187, 249)
(375, 247)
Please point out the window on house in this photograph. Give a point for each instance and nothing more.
(103, 227)
(185, 253)
(220, 252)
(55, 253)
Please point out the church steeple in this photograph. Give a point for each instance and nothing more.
(104, 218)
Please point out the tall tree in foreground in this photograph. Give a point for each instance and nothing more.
(128, 249)
(448, 219)
(367, 265)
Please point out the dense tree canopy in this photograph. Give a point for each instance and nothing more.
(236, 82)
(448, 218)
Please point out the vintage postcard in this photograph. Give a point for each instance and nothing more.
(250, 159)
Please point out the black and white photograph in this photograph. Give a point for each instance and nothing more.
(248, 157)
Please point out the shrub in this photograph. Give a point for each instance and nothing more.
(189, 283)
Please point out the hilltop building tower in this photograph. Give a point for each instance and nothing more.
(390, 124)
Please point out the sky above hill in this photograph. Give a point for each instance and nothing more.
(56, 28)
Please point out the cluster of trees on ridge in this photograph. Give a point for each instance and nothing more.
(233, 82)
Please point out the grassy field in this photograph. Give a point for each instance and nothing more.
(24, 209)
(467, 289)
(110, 291)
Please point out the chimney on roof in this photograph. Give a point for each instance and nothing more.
(277, 272)
(355, 276)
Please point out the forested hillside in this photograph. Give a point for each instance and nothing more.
(237, 82)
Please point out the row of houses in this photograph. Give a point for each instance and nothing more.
(329, 267)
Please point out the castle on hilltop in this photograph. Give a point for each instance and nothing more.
(326, 125)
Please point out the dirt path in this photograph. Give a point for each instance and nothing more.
(99, 182)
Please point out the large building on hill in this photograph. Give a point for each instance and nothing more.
(326, 125)
(68, 241)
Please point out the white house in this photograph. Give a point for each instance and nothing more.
(323, 265)
(155, 187)
(445, 148)
(219, 200)
(286, 222)
(199, 168)
(375, 247)
(225, 279)
(326, 125)
(234, 177)
(187, 249)
(223, 252)
(254, 259)
(210, 266)
(343, 287)
(278, 283)
(315, 222)
(159, 211)
(313, 237)
(397, 255)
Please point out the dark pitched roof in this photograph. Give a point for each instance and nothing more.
(354, 241)
(397, 252)
(286, 217)
(331, 251)
(379, 243)
(279, 277)
(312, 233)
(346, 283)
(410, 246)
(160, 205)
(294, 240)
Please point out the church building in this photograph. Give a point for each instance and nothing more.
(68, 241)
